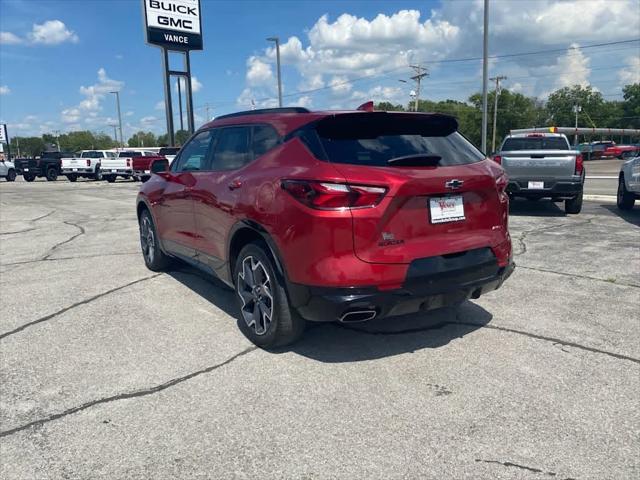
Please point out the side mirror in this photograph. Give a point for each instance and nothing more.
(160, 165)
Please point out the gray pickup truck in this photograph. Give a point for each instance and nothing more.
(543, 165)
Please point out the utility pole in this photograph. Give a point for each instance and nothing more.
(485, 74)
(577, 109)
(495, 108)
(421, 72)
(18, 145)
(277, 42)
(57, 132)
(208, 118)
(117, 94)
(115, 133)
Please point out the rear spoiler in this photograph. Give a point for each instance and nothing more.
(376, 124)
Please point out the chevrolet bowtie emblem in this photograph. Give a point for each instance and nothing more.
(454, 184)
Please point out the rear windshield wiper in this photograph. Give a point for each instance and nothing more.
(415, 160)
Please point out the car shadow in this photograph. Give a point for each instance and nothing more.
(333, 342)
(631, 216)
(541, 208)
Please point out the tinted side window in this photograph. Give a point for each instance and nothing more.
(232, 148)
(194, 154)
(264, 139)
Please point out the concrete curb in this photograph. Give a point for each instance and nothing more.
(600, 198)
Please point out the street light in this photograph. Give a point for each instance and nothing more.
(117, 94)
(277, 41)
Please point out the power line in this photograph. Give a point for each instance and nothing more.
(445, 61)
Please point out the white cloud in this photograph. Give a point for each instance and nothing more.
(258, 72)
(129, 113)
(8, 38)
(51, 32)
(94, 95)
(631, 72)
(382, 47)
(148, 120)
(195, 85)
(570, 69)
(159, 106)
(4, 90)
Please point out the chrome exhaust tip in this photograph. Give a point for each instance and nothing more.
(356, 316)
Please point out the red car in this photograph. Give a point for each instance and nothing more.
(618, 151)
(331, 216)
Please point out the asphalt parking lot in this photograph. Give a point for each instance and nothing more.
(112, 371)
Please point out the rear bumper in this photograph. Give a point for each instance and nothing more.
(431, 283)
(117, 171)
(78, 171)
(142, 172)
(552, 188)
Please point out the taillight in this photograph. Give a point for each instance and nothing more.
(497, 159)
(88, 162)
(333, 196)
(579, 165)
(501, 182)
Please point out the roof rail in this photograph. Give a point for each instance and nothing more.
(264, 111)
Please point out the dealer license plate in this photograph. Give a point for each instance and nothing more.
(446, 209)
(536, 185)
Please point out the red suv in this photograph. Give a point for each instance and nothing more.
(331, 216)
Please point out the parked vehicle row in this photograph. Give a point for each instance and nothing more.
(93, 164)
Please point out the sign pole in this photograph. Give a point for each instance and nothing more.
(167, 96)
(190, 121)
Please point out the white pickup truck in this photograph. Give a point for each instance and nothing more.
(87, 165)
(122, 165)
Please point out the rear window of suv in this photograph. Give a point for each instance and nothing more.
(535, 143)
(375, 140)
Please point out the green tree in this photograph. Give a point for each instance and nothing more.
(181, 137)
(631, 106)
(389, 107)
(143, 139)
(561, 102)
(29, 146)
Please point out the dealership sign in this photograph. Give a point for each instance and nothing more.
(3, 133)
(173, 24)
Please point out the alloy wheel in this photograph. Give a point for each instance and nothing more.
(147, 239)
(254, 290)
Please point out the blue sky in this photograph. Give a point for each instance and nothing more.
(59, 58)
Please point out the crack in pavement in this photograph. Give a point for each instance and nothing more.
(30, 221)
(18, 231)
(66, 309)
(43, 216)
(70, 239)
(523, 235)
(26, 262)
(577, 275)
(523, 467)
(536, 336)
(127, 395)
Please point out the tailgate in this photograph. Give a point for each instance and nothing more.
(113, 163)
(142, 163)
(540, 164)
(73, 162)
(408, 224)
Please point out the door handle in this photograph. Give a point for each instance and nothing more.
(235, 184)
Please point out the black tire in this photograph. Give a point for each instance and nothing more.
(574, 205)
(624, 199)
(110, 178)
(154, 258)
(72, 177)
(135, 178)
(29, 177)
(52, 174)
(145, 178)
(11, 175)
(254, 266)
(97, 176)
